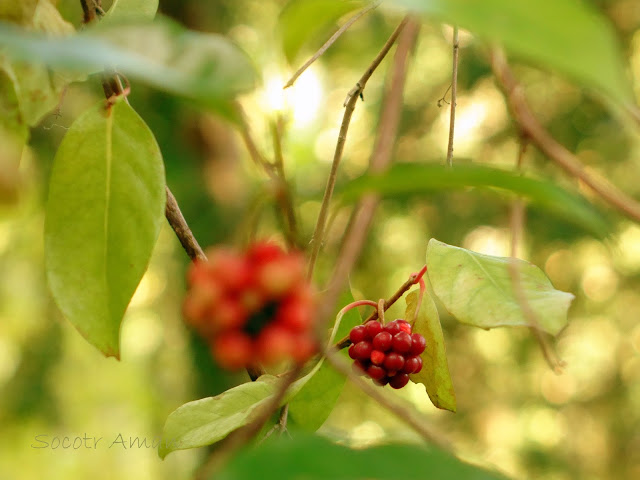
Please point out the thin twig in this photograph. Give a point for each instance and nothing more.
(517, 227)
(454, 95)
(330, 42)
(181, 229)
(549, 146)
(350, 105)
(283, 195)
(402, 410)
(242, 436)
(363, 213)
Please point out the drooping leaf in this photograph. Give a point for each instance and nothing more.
(302, 20)
(206, 421)
(202, 67)
(131, 10)
(567, 36)
(478, 290)
(435, 368)
(312, 405)
(103, 216)
(312, 457)
(410, 179)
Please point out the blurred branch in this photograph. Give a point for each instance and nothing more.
(350, 105)
(330, 42)
(91, 10)
(362, 216)
(405, 412)
(537, 134)
(517, 229)
(454, 95)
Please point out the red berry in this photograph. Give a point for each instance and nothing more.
(230, 269)
(402, 342)
(404, 325)
(377, 357)
(274, 344)
(399, 381)
(373, 328)
(358, 334)
(376, 372)
(305, 348)
(278, 277)
(382, 382)
(382, 341)
(296, 313)
(394, 361)
(352, 351)
(228, 313)
(232, 350)
(418, 344)
(392, 328)
(412, 365)
(362, 350)
(359, 367)
(263, 252)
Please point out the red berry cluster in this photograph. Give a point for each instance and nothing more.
(387, 354)
(255, 307)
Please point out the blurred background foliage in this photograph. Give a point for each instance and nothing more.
(513, 412)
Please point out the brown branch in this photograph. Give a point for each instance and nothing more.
(181, 229)
(350, 105)
(454, 96)
(330, 42)
(537, 134)
(242, 436)
(283, 195)
(364, 211)
(91, 9)
(402, 410)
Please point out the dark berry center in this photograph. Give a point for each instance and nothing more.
(260, 319)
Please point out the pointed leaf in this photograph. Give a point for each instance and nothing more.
(301, 20)
(312, 405)
(104, 213)
(477, 289)
(311, 457)
(435, 368)
(568, 36)
(410, 179)
(206, 421)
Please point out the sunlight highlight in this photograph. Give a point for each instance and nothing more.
(301, 102)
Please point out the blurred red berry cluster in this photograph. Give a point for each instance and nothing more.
(252, 307)
(386, 353)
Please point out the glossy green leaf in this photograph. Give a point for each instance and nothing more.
(410, 179)
(302, 20)
(311, 457)
(206, 421)
(435, 368)
(131, 10)
(103, 216)
(202, 67)
(477, 289)
(312, 405)
(567, 36)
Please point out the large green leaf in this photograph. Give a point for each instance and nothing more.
(104, 213)
(302, 20)
(435, 368)
(478, 290)
(567, 36)
(205, 68)
(312, 405)
(206, 421)
(312, 457)
(409, 179)
(131, 10)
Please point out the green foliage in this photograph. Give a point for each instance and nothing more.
(566, 36)
(302, 20)
(205, 68)
(478, 289)
(412, 179)
(105, 208)
(435, 370)
(312, 405)
(131, 10)
(314, 457)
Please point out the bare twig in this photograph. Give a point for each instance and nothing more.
(283, 195)
(364, 211)
(330, 42)
(402, 410)
(517, 227)
(537, 134)
(181, 229)
(350, 105)
(454, 94)
(242, 436)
